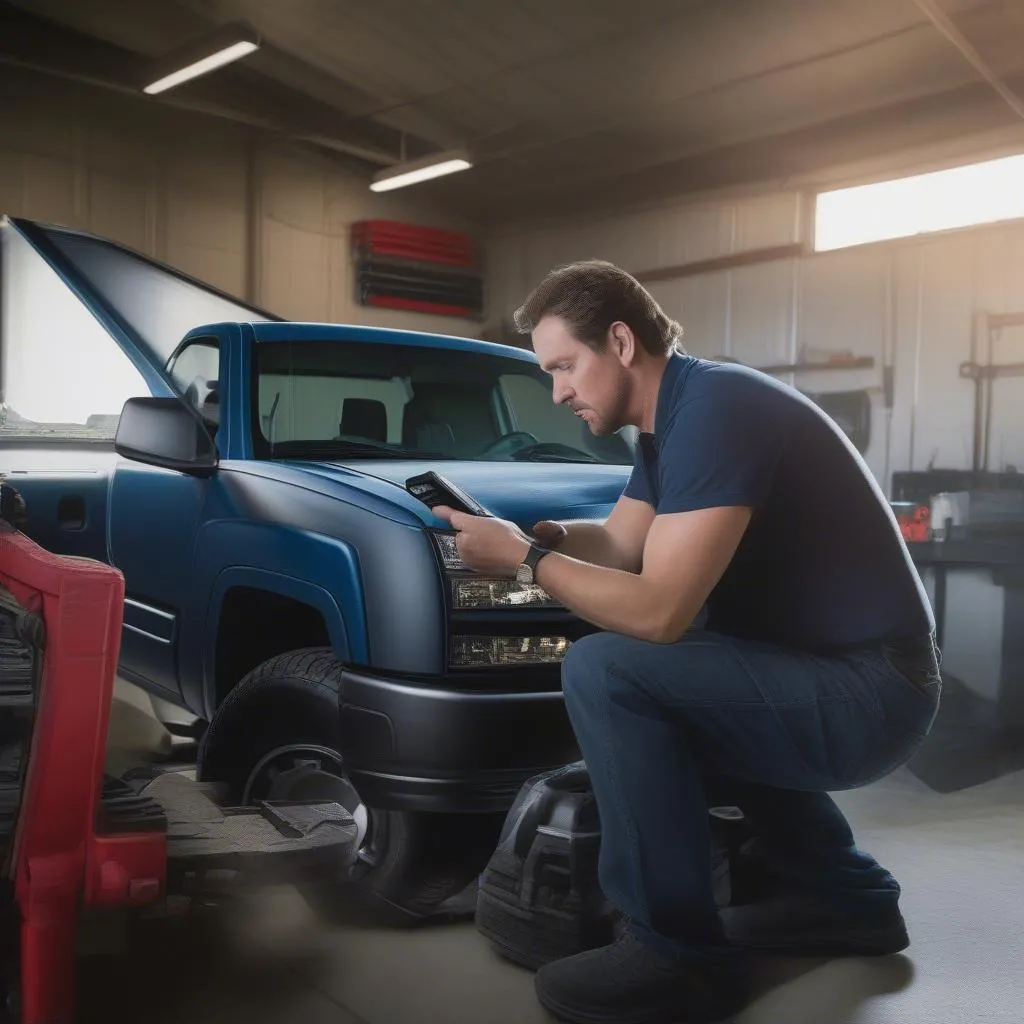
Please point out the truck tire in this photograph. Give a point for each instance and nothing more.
(417, 862)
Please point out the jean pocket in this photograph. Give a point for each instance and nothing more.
(916, 669)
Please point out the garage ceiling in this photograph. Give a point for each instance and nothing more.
(570, 104)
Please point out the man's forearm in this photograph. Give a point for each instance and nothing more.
(588, 541)
(611, 599)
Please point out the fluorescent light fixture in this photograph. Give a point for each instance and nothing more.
(415, 171)
(981, 193)
(226, 45)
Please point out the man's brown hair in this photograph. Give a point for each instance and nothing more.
(592, 295)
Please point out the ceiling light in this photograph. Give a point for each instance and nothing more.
(224, 46)
(415, 171)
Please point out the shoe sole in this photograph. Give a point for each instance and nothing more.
(851, 944)
(636, 1016)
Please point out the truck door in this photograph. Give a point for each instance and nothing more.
(154, 518)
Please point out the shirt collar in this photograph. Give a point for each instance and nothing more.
(677, 362)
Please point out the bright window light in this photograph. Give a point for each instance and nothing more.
(940, 201)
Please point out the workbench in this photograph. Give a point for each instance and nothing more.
(977, 737)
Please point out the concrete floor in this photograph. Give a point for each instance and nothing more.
(266, 960)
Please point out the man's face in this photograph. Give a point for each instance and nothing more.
(593, 384)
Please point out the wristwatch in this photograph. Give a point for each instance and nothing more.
(525, 571)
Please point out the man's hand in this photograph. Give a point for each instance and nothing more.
(549, 534)
(485, 544)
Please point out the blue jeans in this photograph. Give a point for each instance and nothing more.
(669, 730)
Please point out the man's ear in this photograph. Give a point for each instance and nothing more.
(623, 342)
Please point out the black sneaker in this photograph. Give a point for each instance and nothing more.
(799, 925)
(630, 983)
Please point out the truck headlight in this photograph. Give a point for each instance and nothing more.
(490, 651)
(473, 592)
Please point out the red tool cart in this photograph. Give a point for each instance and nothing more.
(75, 840)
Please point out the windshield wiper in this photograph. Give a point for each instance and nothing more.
(348, 449)
(552, 452)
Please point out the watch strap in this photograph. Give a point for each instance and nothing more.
(534, 555)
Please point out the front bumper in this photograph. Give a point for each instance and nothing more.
(412, 746)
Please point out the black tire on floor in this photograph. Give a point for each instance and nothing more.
(422, 859)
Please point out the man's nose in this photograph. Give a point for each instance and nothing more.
(560, 394)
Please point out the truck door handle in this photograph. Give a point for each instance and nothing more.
(71, 512)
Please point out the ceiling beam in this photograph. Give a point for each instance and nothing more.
(235, 93)
(944, 23)
(771, 161)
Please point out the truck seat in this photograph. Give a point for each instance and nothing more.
(364, 417)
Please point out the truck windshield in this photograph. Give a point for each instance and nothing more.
(345, 400)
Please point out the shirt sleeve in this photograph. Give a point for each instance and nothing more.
(723, 445)
(637, 486)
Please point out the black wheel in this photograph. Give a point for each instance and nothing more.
(276, 737)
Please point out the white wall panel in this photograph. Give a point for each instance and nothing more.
(48, 188)
(34, 125)
(1006, 441)
(943, 421)
(262, 222)
(294, 267)
(699, 304)
(766, 221)
(705, 314)
(761, 314)
(118, 208)
(699, 232)
(12, 189)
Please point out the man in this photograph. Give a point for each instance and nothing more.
(814, 669)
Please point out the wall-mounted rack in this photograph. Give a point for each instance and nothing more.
(983, 374)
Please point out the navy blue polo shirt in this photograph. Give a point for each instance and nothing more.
(822, 565)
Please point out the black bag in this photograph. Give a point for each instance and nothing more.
(539, 898)
(12, 506)
(22, 642)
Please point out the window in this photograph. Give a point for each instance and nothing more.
(195, 371)
(960, 197)
(529, 399)
(61, 375)
(342, 399)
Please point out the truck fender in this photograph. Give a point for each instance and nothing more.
(330, 582)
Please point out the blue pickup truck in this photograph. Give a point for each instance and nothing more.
(246, 475)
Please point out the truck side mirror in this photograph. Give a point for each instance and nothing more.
(165, 432)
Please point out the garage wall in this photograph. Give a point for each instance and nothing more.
(909, 303)
(265, 222)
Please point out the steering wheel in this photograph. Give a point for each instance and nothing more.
(508, 444)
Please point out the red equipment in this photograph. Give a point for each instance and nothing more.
(59, 862)
(82, 841)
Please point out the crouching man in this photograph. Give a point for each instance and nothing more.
(814, 668)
